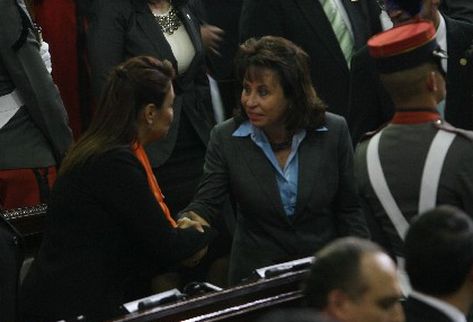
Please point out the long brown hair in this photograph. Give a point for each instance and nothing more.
(131, 86)
(291, 64)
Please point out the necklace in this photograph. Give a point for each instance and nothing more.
(168, 22)
(281, 146)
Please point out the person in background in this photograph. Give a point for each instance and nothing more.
(371, 106)
(108, 229)
(329, 31)
(120, 29)
(284, 161)
(354, 280)
(439, 263)
(34, 131)
(218, 16)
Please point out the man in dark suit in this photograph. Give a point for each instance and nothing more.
(306, 23)
(353, 280)
(34, 132)
(439, 263)
(371, 106)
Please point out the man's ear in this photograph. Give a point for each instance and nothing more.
(432, 82)
(339, 305)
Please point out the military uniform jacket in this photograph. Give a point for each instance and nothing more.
(402, 151)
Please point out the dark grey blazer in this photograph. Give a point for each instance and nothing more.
(326, 208)
(40, 129)
(304, 22)
(121, 29)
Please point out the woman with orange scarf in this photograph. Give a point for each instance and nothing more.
(108, 228)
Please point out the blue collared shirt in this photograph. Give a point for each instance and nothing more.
(287, 178)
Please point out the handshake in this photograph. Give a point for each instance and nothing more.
(192, 220)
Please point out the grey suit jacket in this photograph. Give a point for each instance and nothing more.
(304, 22)
(326, 207)
(121, 29)
(43, 116)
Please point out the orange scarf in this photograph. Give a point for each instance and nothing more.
(140, 153)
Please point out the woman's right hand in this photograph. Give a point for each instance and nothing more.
(186, 222)
(194, 217)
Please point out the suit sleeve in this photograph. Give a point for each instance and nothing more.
(106, 39)
(122, 188)
(214, 184)
(350, 218)
(260, 18)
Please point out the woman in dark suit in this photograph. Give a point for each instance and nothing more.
(286, 163)
(108, 229)
(120, 29)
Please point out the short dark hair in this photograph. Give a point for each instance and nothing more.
(337, 266)
(291, 64)
(130, 86)
(439, 250)
(295, 315)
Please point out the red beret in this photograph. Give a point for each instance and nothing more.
(403, 47)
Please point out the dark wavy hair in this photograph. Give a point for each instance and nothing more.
(438, 251)
(131, 86)
(306, 110)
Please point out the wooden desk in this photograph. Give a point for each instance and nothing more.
(241, 303)
(29, 222)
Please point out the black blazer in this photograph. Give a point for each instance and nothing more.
(304, 22)
(327, 205)
(120, 29)
(458, 9)
(371, 106)
(105, 237)
(418, 311)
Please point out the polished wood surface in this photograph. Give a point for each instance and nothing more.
(245, 302)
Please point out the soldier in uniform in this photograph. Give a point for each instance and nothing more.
(34, 132)
(418, 160)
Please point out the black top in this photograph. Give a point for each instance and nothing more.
(105, 232)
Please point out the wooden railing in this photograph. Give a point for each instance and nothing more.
(29, 221)
(241, 303)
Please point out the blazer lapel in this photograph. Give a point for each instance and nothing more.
(263, 173)
(153, 32)
(194, 35)
(315, 15)
(309, 160)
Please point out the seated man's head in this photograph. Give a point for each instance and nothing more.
(353, 280)
(439, 253)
